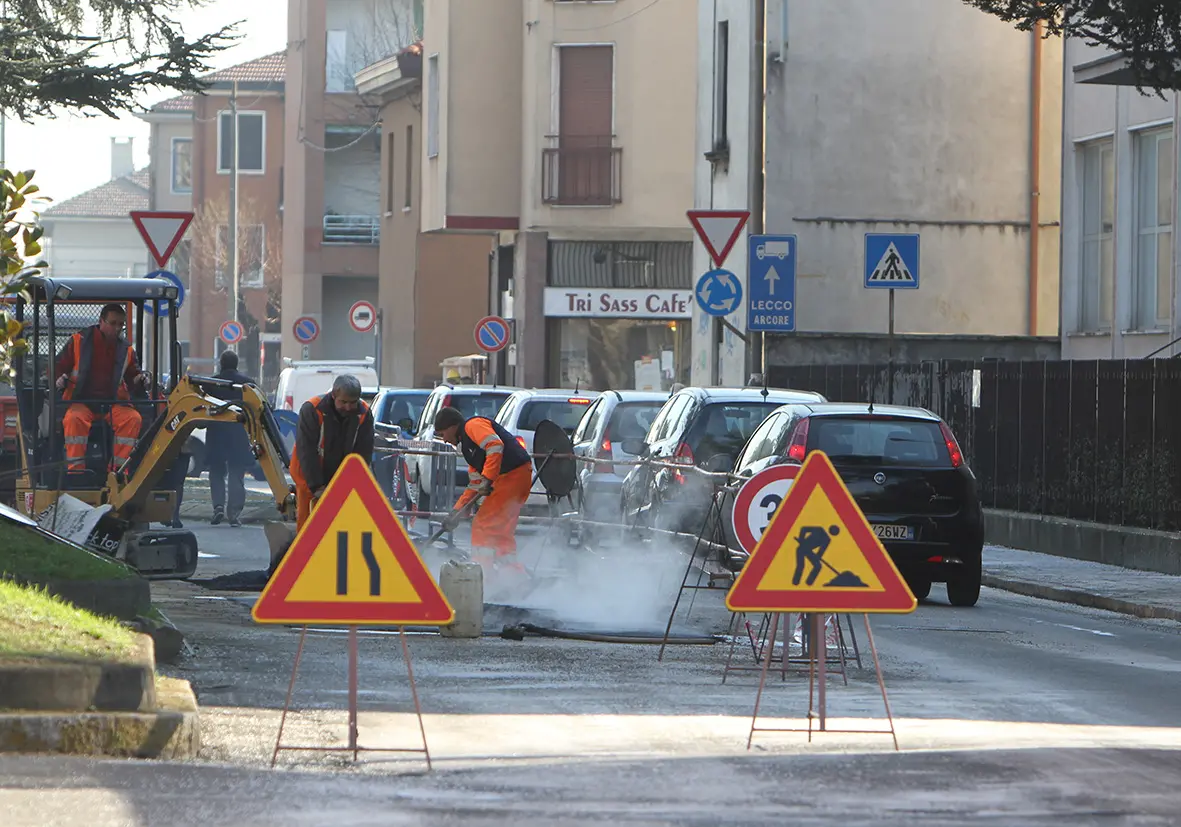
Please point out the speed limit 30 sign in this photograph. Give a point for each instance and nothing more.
(758, 500)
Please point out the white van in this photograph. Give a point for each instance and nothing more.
(300, 381)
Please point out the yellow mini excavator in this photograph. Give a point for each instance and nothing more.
(143, 489)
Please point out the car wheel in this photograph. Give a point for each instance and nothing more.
(963, 589)
(919, 586)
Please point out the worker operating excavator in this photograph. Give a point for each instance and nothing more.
(96, 367)
(499, 470)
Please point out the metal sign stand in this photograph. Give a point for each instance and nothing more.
(817, 686)
(846, 650)
(353, 746)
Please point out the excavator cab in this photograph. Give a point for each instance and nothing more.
(142, 489)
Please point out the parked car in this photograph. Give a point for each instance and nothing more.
(702, 427)
(301, 380)
(469, 400)
(616, 417)
(905, 469)
(400, 406)
(523, 410)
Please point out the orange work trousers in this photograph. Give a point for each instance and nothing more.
(303, 504)
(124, 419)
(495, 526)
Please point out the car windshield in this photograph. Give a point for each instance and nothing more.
(563, 413)
(916, 443)
(724, 427)
(478, 404)
(401, 406)
(631, 420)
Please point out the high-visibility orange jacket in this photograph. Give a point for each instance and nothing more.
(324, 439)
(490, 451)
(86, 359)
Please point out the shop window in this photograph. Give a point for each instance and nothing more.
(619, 354)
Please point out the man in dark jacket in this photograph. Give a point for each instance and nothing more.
(330, 428)
(227, 450)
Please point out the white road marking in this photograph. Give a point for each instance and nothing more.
(1074, 628)
(207, 555)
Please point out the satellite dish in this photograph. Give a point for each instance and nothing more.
(558, 473)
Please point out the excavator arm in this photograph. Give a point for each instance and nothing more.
(194, 403)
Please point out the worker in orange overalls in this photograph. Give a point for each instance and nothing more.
(498, 470)
(330, 428)
(96, 366)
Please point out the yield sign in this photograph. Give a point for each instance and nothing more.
(819, 554)
(352, 563)
(718, 230)
(161, 231)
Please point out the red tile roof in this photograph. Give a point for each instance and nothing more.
(268, 69)
(181, 103)
(114, 199)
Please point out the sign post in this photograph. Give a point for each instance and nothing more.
(891, 263)
(306, 330)
(818, 556)
(719, 231)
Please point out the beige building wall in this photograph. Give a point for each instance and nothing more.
(449, 299)
(654, 115)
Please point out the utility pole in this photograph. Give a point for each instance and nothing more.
(232, 230)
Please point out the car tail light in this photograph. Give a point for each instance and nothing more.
(447, 401)
(578, 401)
(953, 447)
(605, 453)
(521, 442)
(798, 449)
(684, 456)
(288, 402)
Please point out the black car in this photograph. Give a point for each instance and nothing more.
(703, 427)
(908, 475)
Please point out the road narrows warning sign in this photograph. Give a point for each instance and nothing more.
(353, 564)
(819, 554)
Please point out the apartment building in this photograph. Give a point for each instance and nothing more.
(332, 210)
(556, 171)
(192, 164)
(1120, 268)
(914, 116)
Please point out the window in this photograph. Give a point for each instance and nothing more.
(590, 423)
(724, 427)
(905, 442)
(182, 165)
(566, 415)
(432, 112)
(251, 142)
(1097, 262)
(1153, 282)
(632, 420)
(762, 443)
(252, 249)
(337, 74)
(586, 156)
(409, 198)
(722, 85)
(389, 173)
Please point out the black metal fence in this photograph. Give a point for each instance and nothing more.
(1089, 440)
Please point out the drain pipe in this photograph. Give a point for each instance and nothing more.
(1035, 172)
(758, 160)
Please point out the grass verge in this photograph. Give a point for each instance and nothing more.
(30, 555)
(35, 624)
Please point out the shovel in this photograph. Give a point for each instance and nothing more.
(465, 511)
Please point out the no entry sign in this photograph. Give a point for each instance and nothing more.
(492, 334)
(362, 317)
(758, 500)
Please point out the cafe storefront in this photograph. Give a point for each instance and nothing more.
(618, 315)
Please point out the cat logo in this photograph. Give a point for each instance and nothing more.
(174, 423)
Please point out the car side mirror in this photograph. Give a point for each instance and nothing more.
(634, 447)
(407, 425)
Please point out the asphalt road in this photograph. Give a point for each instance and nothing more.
(1017, 711)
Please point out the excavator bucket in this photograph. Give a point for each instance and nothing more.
(280, 536)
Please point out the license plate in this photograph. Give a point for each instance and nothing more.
(894, 532)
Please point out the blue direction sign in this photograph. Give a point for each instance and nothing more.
(892, 261)
(719, 292)
(772, 284)
(165, 307)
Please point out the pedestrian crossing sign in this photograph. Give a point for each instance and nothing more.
(892, 261)
(352, 563)
(819, 554)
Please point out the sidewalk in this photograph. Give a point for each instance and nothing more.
(1083, 583)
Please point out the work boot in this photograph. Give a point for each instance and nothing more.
(218, 516)
(236, 521)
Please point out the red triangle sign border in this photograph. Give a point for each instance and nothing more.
(718, 256)
(747, 596)
(161, 257)
(273, 606)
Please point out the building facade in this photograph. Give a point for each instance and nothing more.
(1120, 267)
(905, 117)
(558, 148)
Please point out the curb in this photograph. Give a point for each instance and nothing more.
(1080, 598)
(173, 731)
(121, 599)
(65, 685)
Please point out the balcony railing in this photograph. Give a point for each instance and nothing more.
(582, 172)
(351, 229)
